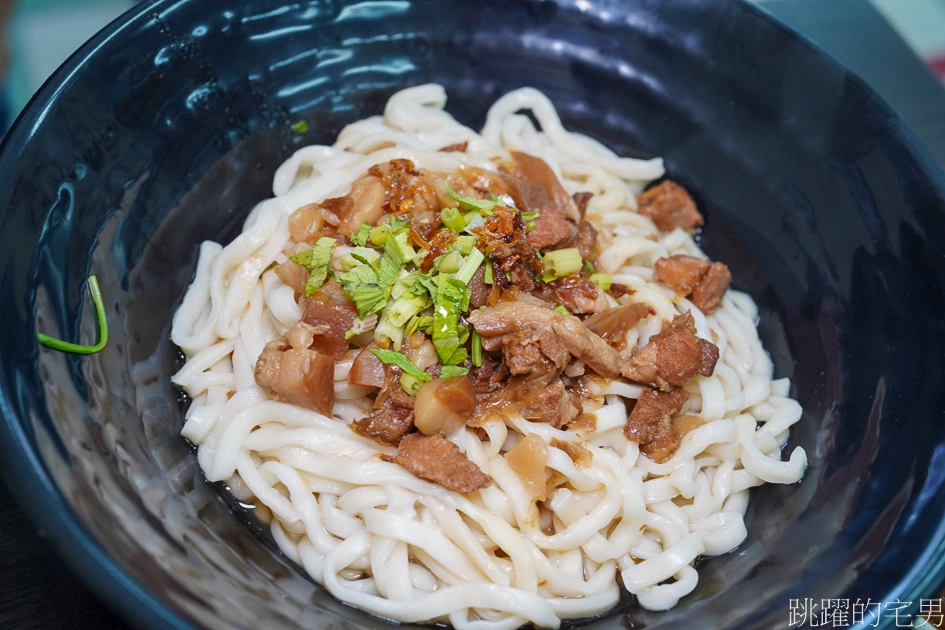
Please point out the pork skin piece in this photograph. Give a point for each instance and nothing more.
(299, 376)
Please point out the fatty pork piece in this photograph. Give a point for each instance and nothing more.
(534, 316)
(392, 416)
(291, 371)
(669, 206)
(436, 459)
(704, 281)
(672, 357)
(613, 324)
(650, 423)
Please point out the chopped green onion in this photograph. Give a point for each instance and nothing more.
(476, 349)
(488, 278)
(423, 323)
(603, 280)
(449, 303)
(450, 262)
(369, 285)
(405, 307)
(398, 224)
(402, 361)
(561, 262)
(449, 371)
(465, 243)
(410, 383)
(300, 127)
(589, 266)
(530, 216)
(388, 335)
(530, 225)
(378, 235)
(391, 263)
(561, 309)
(357, 257)
(484, 206)
(95, 294)
(360, 238)
(453, 219)
(470, 266)
(316, 261)
(403, 241)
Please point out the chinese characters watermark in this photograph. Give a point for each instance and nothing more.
(845, 613)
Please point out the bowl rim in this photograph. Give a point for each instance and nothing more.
(35, 492)
(43, 503)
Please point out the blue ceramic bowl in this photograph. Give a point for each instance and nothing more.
(166, 128)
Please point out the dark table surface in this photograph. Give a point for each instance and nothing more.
(38, 591)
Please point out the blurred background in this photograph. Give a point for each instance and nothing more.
(43, 33)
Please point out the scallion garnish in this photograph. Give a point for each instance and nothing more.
(369, 285)
(453, 219)
(603, 280)
(64, 346)
(484, 206)
(561, 262)
(449, 371)
(316, 261)
(360, 238)
(476, 347)
(402, 361)
(449, 303)
(470, 266)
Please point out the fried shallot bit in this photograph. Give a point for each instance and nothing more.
(297, 375)
(408, 192)
(436, 459)
(672, 357)
(669, 206)
(459, 147)
(706, 282)
(438, 245)
(650, 422)
(502, 237)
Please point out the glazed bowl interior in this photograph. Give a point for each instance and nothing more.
(166, 129)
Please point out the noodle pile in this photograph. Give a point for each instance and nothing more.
(379, 538)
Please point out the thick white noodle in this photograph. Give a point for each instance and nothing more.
(387, 542)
